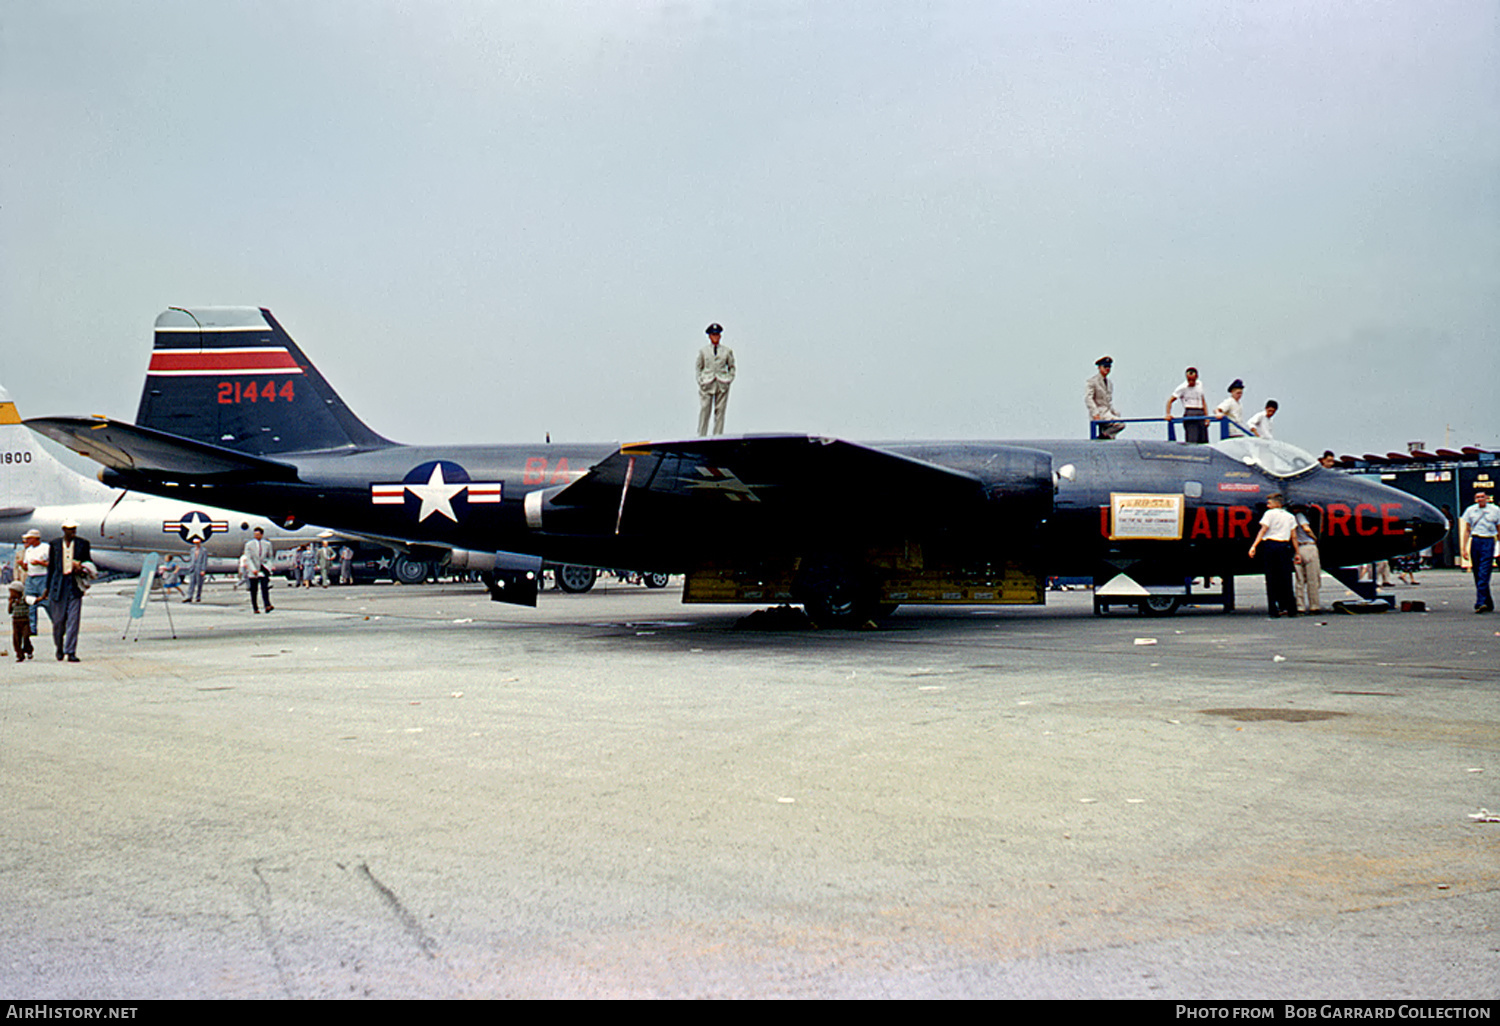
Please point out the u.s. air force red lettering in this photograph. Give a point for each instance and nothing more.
(1221, 522)
(1205, 521)
(1364, 520)
(1340, 520)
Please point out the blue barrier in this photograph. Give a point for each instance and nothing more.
(1226, 425)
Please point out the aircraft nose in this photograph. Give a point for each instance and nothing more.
(1363, 520)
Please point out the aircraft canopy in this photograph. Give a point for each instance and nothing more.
(1279, 459)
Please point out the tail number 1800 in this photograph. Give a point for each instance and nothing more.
(249, 392)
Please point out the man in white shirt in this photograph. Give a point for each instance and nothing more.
(1478, 527)
(31, 565)
(1229, 408)
(1194, 407)
(1278, 546)
(1261, 422)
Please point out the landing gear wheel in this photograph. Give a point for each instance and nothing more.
(1160, 605)
(837, 596)
(655, 580)
(575, 580)
(406, 570)
(845, 612)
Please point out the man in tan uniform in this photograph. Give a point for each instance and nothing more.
(1099, 400)
(715, 373)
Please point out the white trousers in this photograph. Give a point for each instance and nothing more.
(712, 399)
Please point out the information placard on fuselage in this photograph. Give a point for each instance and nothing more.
(1135, 516)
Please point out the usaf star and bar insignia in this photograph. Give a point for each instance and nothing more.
(195, 526)
(437, 487)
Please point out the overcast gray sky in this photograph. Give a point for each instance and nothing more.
(489, 220)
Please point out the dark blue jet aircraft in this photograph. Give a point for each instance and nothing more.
(235, 415)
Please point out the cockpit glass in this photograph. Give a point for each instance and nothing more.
(1275, 458)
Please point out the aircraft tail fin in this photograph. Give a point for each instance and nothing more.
(232, 377)
(30, 476)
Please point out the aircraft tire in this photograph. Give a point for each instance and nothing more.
(834, 595)
(840, 612)
(575, 580)
(405, 570)
(655, 580)
(1159, 605)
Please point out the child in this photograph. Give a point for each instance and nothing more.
(171, 577)
(20, 622)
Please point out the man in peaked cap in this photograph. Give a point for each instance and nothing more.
(715, 374)
(1099, 400)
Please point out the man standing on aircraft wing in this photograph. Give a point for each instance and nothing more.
(1194, 408)
(715, 374)
(1099, 400)
(257, 557)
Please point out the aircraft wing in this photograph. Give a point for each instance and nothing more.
(156, 455)
(777, 477)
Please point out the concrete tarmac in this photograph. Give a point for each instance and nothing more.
(392, 792)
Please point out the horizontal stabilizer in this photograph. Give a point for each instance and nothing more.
(155, 455)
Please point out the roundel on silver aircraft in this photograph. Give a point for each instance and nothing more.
(195, 525)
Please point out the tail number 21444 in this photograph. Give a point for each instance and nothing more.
(248, 392)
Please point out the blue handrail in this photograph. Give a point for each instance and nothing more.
(1225, 424)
